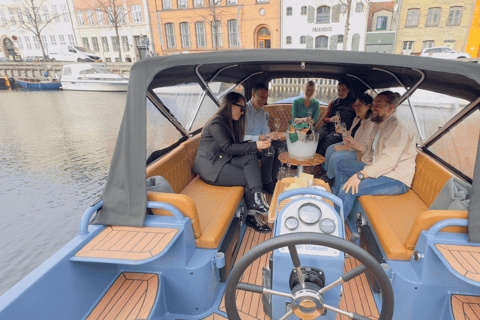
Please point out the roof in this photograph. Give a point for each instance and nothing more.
(124, 196)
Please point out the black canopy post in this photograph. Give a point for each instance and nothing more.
(474, 209)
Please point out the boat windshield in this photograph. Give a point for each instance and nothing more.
(84, 50)
(97, 70)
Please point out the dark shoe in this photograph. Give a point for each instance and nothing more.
(270, 187)
(259, 204)
(325, 178)
(257, 224)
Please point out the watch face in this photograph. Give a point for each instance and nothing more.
(360, 176)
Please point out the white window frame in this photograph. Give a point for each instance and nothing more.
(71, 40)
(20, 44)
(99, 13)
(359, 7)
(289, 11)
(219, 37)
(303, 11)
(455, 16)
(65, 14)
(136, 14)
(61, 39)
(90, 20)
(27, 43)
(170, 32)
(53, 40)
(288, 40)
(56, 17)
(12, 16)
(80, 20)
(201, 34)
(36, 42)
(121, 15)
(3, 18)
(85, 43)
(185, 32)
(125, 44)
(412, 17)
(105, 45)
(182, 4)
(233, 40)
(115, 44)
(95, 46)
(110, 17)
(45, 13)
(167, 4)
(20, 15)
(303, 39)
(433, 16)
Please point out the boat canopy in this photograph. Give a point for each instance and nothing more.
(125, 195)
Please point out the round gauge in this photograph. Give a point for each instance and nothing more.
(309, 213)
(291, 223)
(327, 226)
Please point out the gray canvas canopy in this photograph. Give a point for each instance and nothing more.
(125, 193)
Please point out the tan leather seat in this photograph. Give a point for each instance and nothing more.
(398, 220)
(284, 113)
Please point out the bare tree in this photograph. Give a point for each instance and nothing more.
(35, 21)
(116, 16)
(348, 4)
(213, 15)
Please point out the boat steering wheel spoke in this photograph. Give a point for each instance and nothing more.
(345, 278)
(259, 289)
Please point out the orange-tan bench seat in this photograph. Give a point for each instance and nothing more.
(398, 220)
(210, 208)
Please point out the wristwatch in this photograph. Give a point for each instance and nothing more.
(360, 176)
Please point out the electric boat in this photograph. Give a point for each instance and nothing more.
(187, 254)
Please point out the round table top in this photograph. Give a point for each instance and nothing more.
(317, 159)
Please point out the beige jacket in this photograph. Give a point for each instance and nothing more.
(363, 132)
(395, 151)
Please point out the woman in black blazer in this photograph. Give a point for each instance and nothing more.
(224, 160)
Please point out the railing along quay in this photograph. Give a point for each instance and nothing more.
(54, 69)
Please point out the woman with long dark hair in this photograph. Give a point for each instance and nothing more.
(224, 160)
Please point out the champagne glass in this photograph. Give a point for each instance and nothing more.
(282, 172)
(337, 121)
(277, 124)
(343, 129)
(310, 113)
(268, 151)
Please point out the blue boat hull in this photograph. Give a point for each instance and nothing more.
(39, 85)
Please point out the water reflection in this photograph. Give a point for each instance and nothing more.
(55, 152)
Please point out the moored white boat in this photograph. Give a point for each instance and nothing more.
(92, 77)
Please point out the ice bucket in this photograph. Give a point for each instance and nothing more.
(304, 148)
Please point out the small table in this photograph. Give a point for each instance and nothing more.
(317, 159)
(281, 186)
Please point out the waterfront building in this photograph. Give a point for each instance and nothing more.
(381, 26)
(321, 24)
(16, 37)
(191, 26)
(473, 42)
(95, 20)
(433, 23)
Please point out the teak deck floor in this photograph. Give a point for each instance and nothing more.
(357, 295)
(465, 307)
(463, 259)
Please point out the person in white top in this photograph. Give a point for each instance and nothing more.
(356, 137)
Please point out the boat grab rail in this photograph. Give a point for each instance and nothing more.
(87, 215)
(447, 223)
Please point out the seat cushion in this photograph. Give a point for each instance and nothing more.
(216, 207)
(392, 218)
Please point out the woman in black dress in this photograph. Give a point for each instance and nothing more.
(224, 160)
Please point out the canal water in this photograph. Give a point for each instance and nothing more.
(55, 152)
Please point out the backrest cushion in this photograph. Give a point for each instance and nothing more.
(284, 113)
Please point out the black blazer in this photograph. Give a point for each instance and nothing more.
(217, 148)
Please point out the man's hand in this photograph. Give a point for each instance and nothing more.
(353, 183)
(263, 144)
(275, 135)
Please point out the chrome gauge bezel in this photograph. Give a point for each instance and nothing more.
(291, 219)
(309, 204)
(334, 226)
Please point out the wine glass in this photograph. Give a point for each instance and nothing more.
(268, 151)
(282, 171)
(343, 129)
(310, 113)
(277, 124)
(337, 121)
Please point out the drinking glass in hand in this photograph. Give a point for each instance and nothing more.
(268, 151)
(343, 129)
(310, 114)
(277, 124)
(337, 121)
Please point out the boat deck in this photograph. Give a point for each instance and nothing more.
(357, 296)
(463, 259)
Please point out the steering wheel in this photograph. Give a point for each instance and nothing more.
(308, 303)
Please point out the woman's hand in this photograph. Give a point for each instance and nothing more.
(263, 144)
(298, 120)
(340, 147)
(350, 142)
(334, 119)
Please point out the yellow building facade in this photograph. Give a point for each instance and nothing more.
(433, 23)
(473, 43)
(188, 26)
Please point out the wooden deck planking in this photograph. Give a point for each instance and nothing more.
(463, 259)
(465, 307)
(129, 243)
(131, 296)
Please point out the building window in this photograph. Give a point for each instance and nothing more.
(105, 44)
(303, 11)
(450, 44)
(20, 44)
(321, 42)
(217, 34)
(433, 16)
(85, 43)
(182, 4)
(233, 33)
(198, 3)
(170, 31)
(61, 38)
(289, 40)
(53, 40)
(55, 13)
(2, 18)
(71, 40)
(90, 17)
(125, 45)
(136, 14)
(81, 22)
(36, 42)
(45, 14)
(99, 17)
(185, 32)
(200, 33)
(215, 3)
(359, 7)
(120, 15)
(115, 44)
(110, 17)
(454, 16)
(95, 46)
(27, 43)
(428, 44)
(343, 8)
(323, 14)
(303, 40)
(382, 23)
(340, 38)
(412, 17)
(108, 59)
(262, 1)
(407, 45)
(12, 17)
(167, 4)
(44, 41)
(20, 15)
(289, 11)
(65, 14)
(231, 2)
